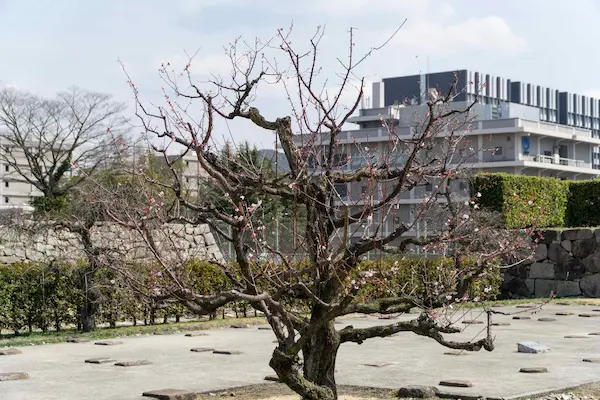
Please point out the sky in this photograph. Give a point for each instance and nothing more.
(47, 46)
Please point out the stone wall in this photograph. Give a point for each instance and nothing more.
(176, 241)
(566, 262)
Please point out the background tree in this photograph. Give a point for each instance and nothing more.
(301, 300)
(42, 139)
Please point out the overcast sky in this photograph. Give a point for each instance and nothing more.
(49, 45)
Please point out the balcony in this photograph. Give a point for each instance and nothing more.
(556, 160)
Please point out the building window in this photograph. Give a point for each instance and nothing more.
(462, 186)
(342, 190)
(187, 180)
(497, 151)
(6, 200)
(6, 184)
(428, 187)
(6, 168)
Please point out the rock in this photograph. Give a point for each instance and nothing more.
(133, 363)
(101, 360)
(472, 322)
(531, 348)
(378, 364)
(592, 360)
(576, 337)
(240, 326)
(195, 334)
(588, 315)
(456, 353)
(13, 376)
(109, 343)
(500, 324)
(272, 378)
(201, 349)
(541, 271)
(566, 244)
(557, 253)
(541, 252)
(264, 328)
(77, 340)
(10, 352)
(534, 370)
(594, 334)
(227, 352)
(562, 303)
(583, 248)
(418, 392)
(591, 263)
(565, 313)
(577, 234)
(170, 394)
(518, 286)
(456, 383)
(522, 317)
(590, 285)
(544, 319)
(569, 270)
(543, 288)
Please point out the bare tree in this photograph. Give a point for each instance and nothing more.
(43, 138)
(326, 284)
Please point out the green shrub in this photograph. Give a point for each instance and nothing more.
(583, 206)
(523, 201)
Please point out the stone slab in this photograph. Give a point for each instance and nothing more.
(109, 343)
(170, 394)
(472, 322)
(77, 340)
(272, 378)
(227, 352)
(135, 363)
(500, 323)
(534, 370)
(576, 337)
(264, 328)
(564, 313)
(592, 360)
(521, 317)
(588, 315)
(531, 348)
(544, 319)
(378, 364)
(240, 326)
(195, 334)
(418, 392)
(456, 353)
(594, 334)
(10, 352)
(202, 349)
(13, 376)
(456, 383)
(99, 360)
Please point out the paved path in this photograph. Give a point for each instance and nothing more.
(58, 371)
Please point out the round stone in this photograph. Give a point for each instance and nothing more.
(456, 383)
(594, 334)
(500, 324)
(546, 319)
(418, 392)
(522, 317)
(588, 315)
(534, 370)
(592, 360)
(564, 313)
(562, 303)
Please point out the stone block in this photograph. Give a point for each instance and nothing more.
(549, 236)
(541, 252)
(543, 288)
(590, 285)
(209, 239)
(418, 392)
(227, 352)
(557, 253)
(10, 352)
(517, 286)
(202, 350)
(577, 234)
(592, 263)
(378, 364)
(531, 348)
(13, 376)
(272, 378)
(592, 360)
(541, 271)
(570, 270)
(133, 363)
(566, 244)
(534, 370)
(583, 248)
(99, 360)
(109, 343)
(456, 383)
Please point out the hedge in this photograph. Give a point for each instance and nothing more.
(524, 201)
(583, 205)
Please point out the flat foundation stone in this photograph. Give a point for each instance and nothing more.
(171, 394)
(546, 319)
(109, 343)
(202, 349)
(227, 352)
(576, 337)
(500, 323)
(588, 315)
(592, 360)
(534, 370)
(564, 313)
(13, 376)
(594, 334)
(100, 360)
(195, 334)
(522, 317)
(240, 326)
(378, 364)
(418, 392)
(456, 353)
(133, 363)
(531, 348)
(77, 340)
(456, 383)
(272, 378)
(472, 322)
(264, 328)
(562, 303)
(10, 352)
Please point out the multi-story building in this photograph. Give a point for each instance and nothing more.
(515, 128)
(15, 191)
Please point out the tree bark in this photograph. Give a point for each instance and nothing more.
(319, 356)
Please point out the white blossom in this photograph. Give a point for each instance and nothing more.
(465, 216)
(478, 194)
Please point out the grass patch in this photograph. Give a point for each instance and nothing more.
(37, 338)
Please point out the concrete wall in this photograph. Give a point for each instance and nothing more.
(175, 241)
(566, 262)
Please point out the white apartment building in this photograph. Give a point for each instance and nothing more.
(15, 191)
(506, 137)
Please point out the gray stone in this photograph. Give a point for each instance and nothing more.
(418, 392)
(592, 263)
(100, 360)
(534, 370)
(566, 244)
(472, 322)
(456, 383)
(518, 286)
(521, 317)
(564, 313)
(589, 315)
(531, 348)
(569, 270)
(583, 248)
(590, 285)
(77, 340)
(546, 319)
(549, 236)
(456, 353)
(594, 334)
(195, 334)
(544, 287)
(13, 376)
(592, 360)
(577, 234)
(240, 326)
(109, 343)
(557, 254)
(378, 364)
(541, 252)
(10, 352)
(264, 328)
(170, 394)
(500, 324)
(541, 271)
(227, 352)
(201, 349)
(132, 363)
(272, 378)
(576, 337)
(209, 239)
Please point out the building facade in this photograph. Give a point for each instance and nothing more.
(524, 136)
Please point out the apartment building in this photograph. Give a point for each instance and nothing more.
(15, 192)
(521, 137)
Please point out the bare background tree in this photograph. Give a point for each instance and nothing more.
(301, 300)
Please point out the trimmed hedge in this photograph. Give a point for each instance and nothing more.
(524, 201)
(583, 205)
